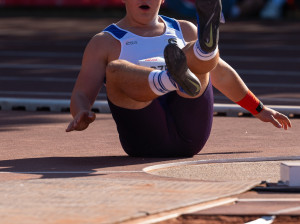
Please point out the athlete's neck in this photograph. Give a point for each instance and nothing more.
(153, 27)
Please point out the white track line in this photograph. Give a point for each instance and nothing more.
(54, 105)
(234, 109)
(198, 162)
(263, 220)
(262, 59)
(287, 210)
(40, 66)
(277, 85)
(30, 93)
(253, 47)
(44, 54)
(70, 172)
(176, 213)
(268, 72)
(269, 200)
(77, 67)
(31, 104)
(273, 99)
(41, 54)
(72, 80)
(36, 79)
(36, 93)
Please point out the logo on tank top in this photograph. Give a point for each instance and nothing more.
(131, 42)
(155, 62)
(172, 41)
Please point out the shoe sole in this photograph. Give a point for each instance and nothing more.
(179, 71)
(209, 15)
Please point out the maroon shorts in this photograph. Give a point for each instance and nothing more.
(171, 126)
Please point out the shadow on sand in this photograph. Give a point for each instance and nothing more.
(70, 167)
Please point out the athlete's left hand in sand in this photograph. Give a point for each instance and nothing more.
(81, 121)
(279, 120)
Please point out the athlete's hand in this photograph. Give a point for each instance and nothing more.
(279, 120)
(81, 121)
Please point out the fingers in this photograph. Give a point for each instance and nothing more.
(279, 120)
(287, 121)
(70, 127)
(81, 121)
(284, 124)
(284, 121)
(74, 125)
(90, 117)
(275, 122)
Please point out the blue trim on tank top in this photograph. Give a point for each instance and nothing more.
(172, 23)
(115, 31)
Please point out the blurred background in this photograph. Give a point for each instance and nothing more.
(42, 42)
(233, 9)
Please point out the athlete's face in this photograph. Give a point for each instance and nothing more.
(143, 10)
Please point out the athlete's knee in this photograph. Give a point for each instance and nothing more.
(198, 66)
(190, 152)
(190, 149)
(114, 67)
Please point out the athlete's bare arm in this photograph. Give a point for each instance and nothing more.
(89, 81)
(228, 81)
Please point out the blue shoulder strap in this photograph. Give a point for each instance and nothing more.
(172, 23)
(114, 30)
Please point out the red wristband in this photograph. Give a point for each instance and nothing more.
(251, 103)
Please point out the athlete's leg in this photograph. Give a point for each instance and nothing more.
(146, 132)
(134, 87)
(203, 54)
(170, 126)
(176, 63)
(127, 85)
(193, 121)
(208, 16)
(196, 65)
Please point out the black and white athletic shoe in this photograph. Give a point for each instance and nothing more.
(178, 70)
(208, 17)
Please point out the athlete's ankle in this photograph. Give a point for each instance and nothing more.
(161, 83)
(202, 55)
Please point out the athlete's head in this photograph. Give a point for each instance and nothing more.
(143, 10)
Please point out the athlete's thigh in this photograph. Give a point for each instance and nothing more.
(127, 85)
(144, 132)
(193, 118)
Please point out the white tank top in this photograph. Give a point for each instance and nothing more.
(147, 51)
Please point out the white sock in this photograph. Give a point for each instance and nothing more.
(161, 83)
(202, 55)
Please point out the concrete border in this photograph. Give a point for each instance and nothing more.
(101, 106)
(197, 162)
(54, 105)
